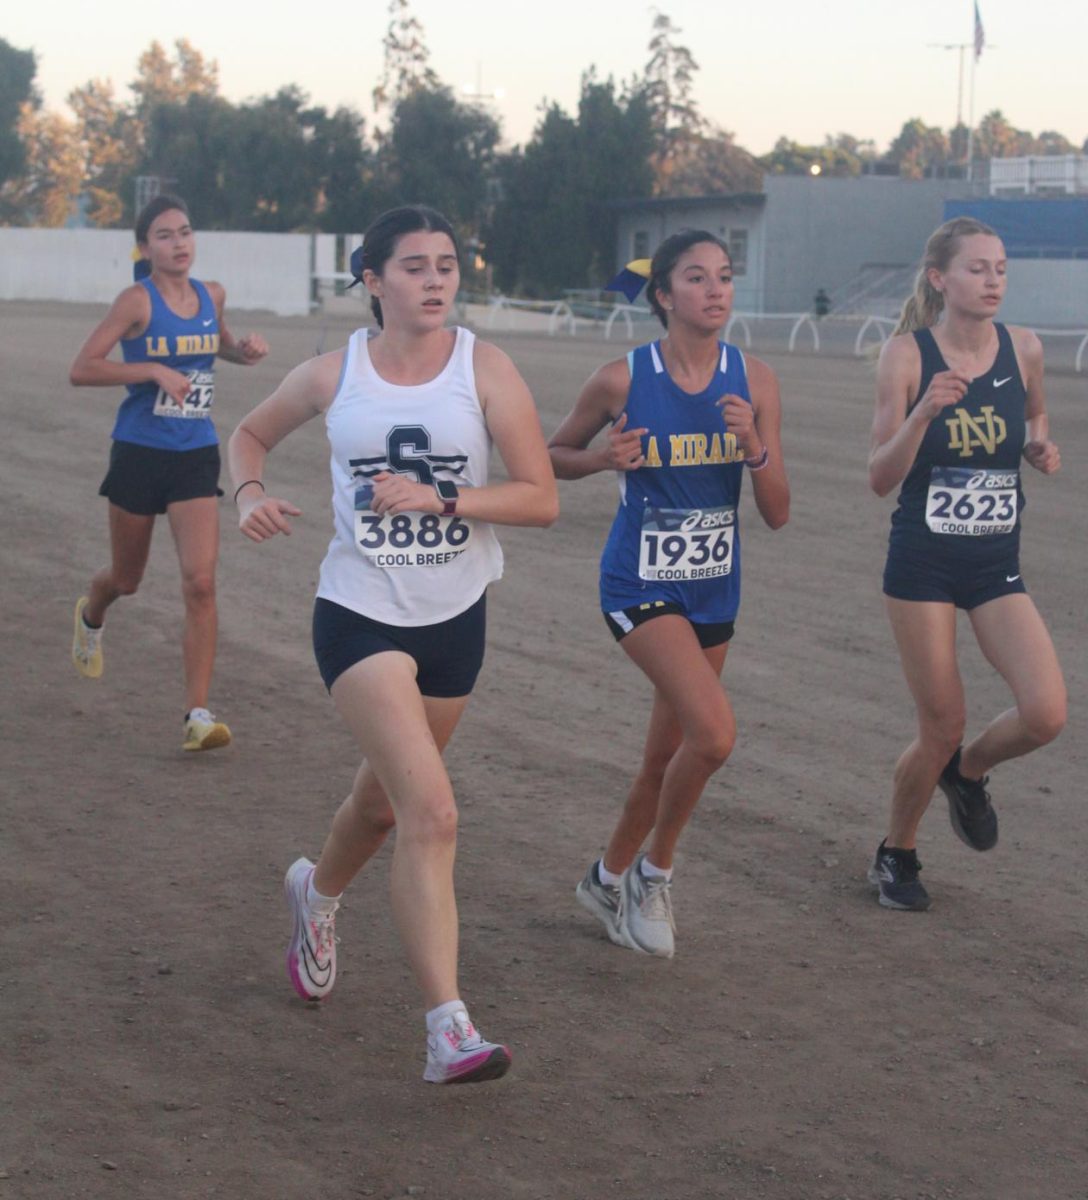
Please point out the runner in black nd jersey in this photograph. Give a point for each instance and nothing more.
(959, 403)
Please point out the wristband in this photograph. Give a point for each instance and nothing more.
(757, 462)
(246, 484)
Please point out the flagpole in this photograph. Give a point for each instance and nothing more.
(978, 40)
(971, 101)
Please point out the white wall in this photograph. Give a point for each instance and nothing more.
(1051, 293)
(268, 271)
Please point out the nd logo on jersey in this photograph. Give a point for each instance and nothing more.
(966, 432)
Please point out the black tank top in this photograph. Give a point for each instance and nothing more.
(962, 495)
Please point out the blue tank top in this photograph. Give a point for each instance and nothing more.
(148, 416)
(962, 496)
(675, 535)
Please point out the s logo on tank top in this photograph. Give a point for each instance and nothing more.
(410, 539)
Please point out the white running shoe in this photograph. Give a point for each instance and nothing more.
(645, 921)
(204, 732)
(86, 644)
(602, 901)
(311, 952)
(457, 1054)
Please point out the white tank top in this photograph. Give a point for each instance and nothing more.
(413, 568)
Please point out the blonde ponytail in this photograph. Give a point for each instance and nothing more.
(925, 306)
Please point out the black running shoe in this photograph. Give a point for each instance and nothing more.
(969, 808)
(895, 873)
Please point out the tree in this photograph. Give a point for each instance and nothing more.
(1051, 142)
(711, 163)
(919, 149)
(406, 59)
(110, 138)
(554, 227)
(17, 71)
(839, 157)
(675, 118)
(47, 190)
(160, 80)
(996, 138)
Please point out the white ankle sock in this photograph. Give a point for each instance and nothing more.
(316, 900)
(437, 1015)
(647, 868)
(605, 875)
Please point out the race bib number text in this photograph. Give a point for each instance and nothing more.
(971, 503)
(407, 539)
(198, 402)
(686, 544)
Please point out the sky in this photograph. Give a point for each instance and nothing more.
(767, 69)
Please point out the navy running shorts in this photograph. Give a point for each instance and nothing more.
(448, 655)
(145, 481)
(910, 575)
(624, 620)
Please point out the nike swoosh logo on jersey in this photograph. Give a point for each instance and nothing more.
(211, 319)
(1011, 578)
(1001, 382)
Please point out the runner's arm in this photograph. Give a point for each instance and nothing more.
(246, 350)
(529, 496)
(307, 391)
(770, 487)
(1039, 450)
(600, 403)
(128, 317)
(897, 435)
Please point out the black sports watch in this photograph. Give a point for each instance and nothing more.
(448, 493)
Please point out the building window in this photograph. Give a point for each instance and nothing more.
(640, 244)
(738, 250)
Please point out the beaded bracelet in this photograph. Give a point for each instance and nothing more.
(758, 462)
(246, 484)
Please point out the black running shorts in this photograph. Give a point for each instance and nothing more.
(145, 481)
(448, 655)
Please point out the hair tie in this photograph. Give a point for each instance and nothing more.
(631, 280)
(141, 267)
(355, 266)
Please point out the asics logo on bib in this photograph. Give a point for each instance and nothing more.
(966, 433)
(697, 519)
(991, 479)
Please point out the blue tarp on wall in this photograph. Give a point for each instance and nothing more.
(1031, 228)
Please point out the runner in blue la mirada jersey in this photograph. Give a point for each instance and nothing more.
(165, 453)
(685, 417)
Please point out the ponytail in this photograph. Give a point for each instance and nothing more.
(923, 309)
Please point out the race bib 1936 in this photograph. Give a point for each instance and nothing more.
(198, 401)
(686, 543)
(969, 502)
(408, 539)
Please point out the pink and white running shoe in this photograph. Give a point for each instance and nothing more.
(311, 952)
(457, 1054)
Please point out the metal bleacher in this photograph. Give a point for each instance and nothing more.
(878, 289)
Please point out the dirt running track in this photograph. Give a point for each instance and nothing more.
(804, 1044)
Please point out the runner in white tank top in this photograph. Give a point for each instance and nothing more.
(415, 568)
(398, 621)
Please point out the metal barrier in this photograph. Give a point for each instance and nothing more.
(879, 323)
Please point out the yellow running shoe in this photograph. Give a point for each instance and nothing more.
(204, 732)
(86, 644)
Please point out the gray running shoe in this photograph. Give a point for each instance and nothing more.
(602, 901)
(645, 920)
(895, 874)
(969, 808)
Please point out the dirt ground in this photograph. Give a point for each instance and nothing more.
(804, 1044)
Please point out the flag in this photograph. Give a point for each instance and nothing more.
(980, 34)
